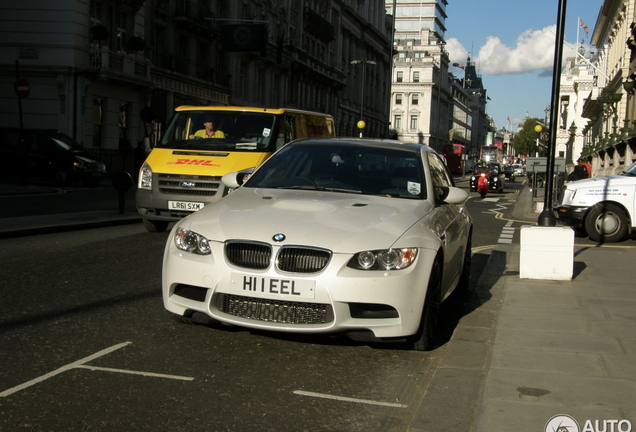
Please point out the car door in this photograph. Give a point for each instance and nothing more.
(453, 227)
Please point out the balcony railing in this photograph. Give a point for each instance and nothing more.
(122, 64)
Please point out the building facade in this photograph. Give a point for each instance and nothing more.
(111, 72)
(427, 103)
(609, 135)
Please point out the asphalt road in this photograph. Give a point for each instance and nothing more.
(86, 345)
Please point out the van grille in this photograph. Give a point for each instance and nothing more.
(198, 184)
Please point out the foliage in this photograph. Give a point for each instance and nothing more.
(525, 140)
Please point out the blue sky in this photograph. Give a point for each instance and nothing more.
(512, 46)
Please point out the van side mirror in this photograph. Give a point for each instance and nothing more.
(235, 179)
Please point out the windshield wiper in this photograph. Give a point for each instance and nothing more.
(321, 188)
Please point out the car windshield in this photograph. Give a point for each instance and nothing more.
(221, 130)
(348, 169)
(631, 171)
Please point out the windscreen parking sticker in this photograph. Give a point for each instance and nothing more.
(413, 188)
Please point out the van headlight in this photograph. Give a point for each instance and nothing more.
(385, 259)
(145, 177)
(189, 241)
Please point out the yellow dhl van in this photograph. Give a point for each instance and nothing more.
(201, 144)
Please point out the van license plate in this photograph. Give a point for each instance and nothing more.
(185, 205)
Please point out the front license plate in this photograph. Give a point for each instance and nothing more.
(185, 205)
(268, 287)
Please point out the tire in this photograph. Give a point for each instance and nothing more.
(606, 222)
(482, 193)
(61, 178)
(425, 338)
(155, 225)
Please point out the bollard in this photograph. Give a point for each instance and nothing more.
(122, 181)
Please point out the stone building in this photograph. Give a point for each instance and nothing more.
(609, 137)
(427, 106)
(110, 72)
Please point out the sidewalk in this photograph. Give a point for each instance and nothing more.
(27, 225)
(529, 350)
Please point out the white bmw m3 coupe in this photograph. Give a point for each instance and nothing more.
(330, 235)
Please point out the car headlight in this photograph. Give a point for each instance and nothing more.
(472, 178)
(145, 177)
(386, 259)
(189, 241)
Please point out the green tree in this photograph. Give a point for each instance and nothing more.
(525, 140)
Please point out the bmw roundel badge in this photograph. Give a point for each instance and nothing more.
(279, 237)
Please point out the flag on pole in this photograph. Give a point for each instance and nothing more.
(509, 120)
(584, 27)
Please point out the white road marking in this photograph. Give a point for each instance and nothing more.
(80, 364)
(63, 369)
(507, 233)
(348, 399)
(131, 372)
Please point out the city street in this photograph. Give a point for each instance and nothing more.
(86, 340)
(85, 344)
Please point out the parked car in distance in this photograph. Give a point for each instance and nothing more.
(497, 180)
(47, 154)
(520, 170)
(509, 172)
(330, 235)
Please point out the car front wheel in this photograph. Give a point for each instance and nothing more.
(606, 222)
(425, 338)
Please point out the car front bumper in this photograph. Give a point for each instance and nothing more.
(570, 215)
(387, 303)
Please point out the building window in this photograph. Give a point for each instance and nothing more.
(398, 99)
(397, 121)
(415, 99)
(400, 76)
(413, 122)
(416, 76)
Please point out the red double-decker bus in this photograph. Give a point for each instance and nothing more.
(453, 155)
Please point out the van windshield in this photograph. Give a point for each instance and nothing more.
(222, 130)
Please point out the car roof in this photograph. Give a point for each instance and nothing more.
(365, 142)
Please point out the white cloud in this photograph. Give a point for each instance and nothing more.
(533, 50)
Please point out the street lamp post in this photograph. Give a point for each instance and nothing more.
(361, 124)
(538, 129)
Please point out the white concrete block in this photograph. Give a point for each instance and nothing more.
(546, 253)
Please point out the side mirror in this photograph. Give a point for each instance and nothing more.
(235, 179)
(453, 195)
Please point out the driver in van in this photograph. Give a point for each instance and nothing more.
(208, 131)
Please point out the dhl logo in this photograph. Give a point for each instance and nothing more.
(201, 162)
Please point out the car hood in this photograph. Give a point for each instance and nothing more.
(338, 221)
